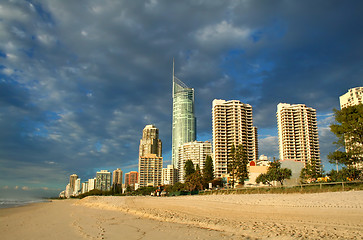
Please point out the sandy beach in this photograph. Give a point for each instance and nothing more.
(336, 215)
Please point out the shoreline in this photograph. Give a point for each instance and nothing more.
(335, 215)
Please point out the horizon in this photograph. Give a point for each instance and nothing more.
(79, 82)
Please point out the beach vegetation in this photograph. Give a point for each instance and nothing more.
(208, 172)
(237, 165)
(348, 128)
(274, 173)
(345, 174)
(189, 168)
(311, 172)
(194, 181)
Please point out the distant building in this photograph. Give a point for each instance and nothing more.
(298, 133)
(150, 169)
(131, 178)
(295, 167)
(117, 177)
(85, 187)
(91, 184)
(232, 124)
(77, 187)
(197, 152)
(354, 96)
(103, 180)
(184, 122)
(263, 161)
(69, 191)
(170, 175)
(72, 182)
(254, 171)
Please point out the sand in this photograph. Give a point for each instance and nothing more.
(336, 215)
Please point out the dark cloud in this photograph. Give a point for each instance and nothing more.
(79, 80)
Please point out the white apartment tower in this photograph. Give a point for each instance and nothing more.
(170, 175)
(117, 177)
(298, 132)
(197, 152)
(232, 125)
(354, 96)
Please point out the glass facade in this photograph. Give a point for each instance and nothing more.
(184, 126)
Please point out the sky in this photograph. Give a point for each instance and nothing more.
(79, 80)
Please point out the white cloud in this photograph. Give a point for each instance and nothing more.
(221, 34)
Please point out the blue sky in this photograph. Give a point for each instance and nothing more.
(79, 80)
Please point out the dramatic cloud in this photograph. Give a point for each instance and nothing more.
(79, 80)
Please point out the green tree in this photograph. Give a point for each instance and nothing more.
(264, 178)
(312, 170)
(189, 168)
(348, 128)
(237, 164)
(274, 173)
(208, 172)
(194, 181)
(345, 174)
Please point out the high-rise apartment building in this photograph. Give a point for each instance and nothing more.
(298, 133)
(197, 152)
(77, 187)
(131, 178)
(72, 181)
(354, 96)
(150, 142)
(150, 160)
(117, 177)
(91, 184)
(184, 126)
(103, 180)
(150, 169)
(232, 124)
(170, 175)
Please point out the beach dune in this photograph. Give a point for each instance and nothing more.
(335, 215)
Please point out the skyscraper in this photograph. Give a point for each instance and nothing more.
(232, 125)
(150, 142)
(184, 126)
(197, 152)
(298, 133)
(150, 160)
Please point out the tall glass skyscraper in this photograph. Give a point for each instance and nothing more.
(184, 127)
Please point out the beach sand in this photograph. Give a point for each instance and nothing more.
(337, 215)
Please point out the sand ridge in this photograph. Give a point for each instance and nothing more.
(261, 216)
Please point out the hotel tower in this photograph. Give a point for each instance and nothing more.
(298, 133)
(232, 124)
(183, 128)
